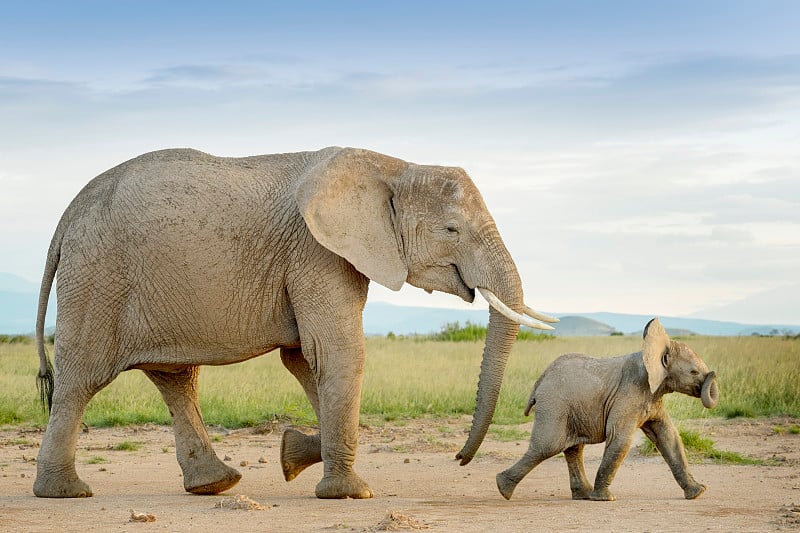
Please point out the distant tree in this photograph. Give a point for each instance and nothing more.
(15, 339)
(453, 331)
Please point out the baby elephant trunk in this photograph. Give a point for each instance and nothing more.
(709, 394)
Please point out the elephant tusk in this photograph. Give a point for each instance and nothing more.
(495, 302)
(533, 313)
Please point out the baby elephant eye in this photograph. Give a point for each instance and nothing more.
(452, 229)
(695, 372)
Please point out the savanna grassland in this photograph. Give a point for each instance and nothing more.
(417, 398)
(416, 377)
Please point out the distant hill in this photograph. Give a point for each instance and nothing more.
(768, 306)
(17, 312)
(380, 318)
(581, 326)
(12, 283)
(635, 324)
(18, 300)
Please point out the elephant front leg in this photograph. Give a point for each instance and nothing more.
(578, 484)
(298, 450)
(617, 447)
(667, 439)
(339, 390)
(203, 472)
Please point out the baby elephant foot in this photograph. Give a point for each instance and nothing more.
(212, 478)
(693, 491)
(506, 485)
(338, 487)
(50, 486)
(602, 495)
(298, 452)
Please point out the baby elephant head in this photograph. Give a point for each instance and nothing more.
(674, 367)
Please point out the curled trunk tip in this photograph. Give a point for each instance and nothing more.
(709, 394)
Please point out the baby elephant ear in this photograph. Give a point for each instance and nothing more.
(346, 202)
(656, 342)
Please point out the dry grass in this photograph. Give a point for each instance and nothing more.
(408, 378)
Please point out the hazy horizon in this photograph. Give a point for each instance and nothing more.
(638, 158)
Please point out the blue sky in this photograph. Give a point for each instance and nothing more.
(638, 157)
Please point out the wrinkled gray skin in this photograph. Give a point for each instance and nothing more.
(582, 400)
(177, 259)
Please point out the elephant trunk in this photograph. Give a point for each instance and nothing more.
(500, 337)
(709, 394)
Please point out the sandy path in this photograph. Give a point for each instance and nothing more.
(417, 482)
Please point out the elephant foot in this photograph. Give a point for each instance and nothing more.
(52, 486)
(693, 491)
(339, 487)
(213, 478)
(298, 452)
(583, 493)
(506, 485)
(602, 495)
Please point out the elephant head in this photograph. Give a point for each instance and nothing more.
(399, 222)
(674, 367)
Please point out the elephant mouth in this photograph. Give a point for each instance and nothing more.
(431, 279)
(468, 294)
(462, 289)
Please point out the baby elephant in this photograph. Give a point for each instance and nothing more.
(582, 400)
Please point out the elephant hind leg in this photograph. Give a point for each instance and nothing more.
(547, 440)
(578, 484)
(56, 476)
(203, 472)
(508, 479)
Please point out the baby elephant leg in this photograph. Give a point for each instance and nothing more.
(541, 447)
(665, 436)
(617, 447)
(578, 484)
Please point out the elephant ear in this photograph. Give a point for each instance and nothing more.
(656, 342)
(346, 202)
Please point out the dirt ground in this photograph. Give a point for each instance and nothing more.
(417, 482)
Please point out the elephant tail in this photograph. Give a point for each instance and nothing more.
(530, 405)
(45, 378)
(532, 399)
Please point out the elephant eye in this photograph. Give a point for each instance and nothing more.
(452, 229)
(695, 372)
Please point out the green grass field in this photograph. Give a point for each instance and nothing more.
(410, 378)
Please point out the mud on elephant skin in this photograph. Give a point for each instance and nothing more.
(178, 259)
(583, 400)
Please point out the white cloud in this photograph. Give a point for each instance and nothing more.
(661, 171)
(731, 235)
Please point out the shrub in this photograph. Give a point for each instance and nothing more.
(15, 339)
(698, 447)
(453, 331)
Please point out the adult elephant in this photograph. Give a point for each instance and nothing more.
(178, 258)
